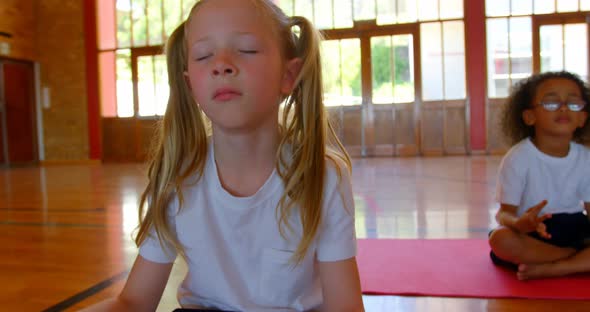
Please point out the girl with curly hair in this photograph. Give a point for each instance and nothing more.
(544, 180)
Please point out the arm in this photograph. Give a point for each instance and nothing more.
(506, 216)
(143, 289)
(587, 207)
(530, 221)
(341, 286)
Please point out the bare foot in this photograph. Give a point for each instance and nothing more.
(535, 271)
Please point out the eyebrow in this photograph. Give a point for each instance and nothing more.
(236, 34)
(554, 93)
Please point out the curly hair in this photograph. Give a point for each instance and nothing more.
(521, 98)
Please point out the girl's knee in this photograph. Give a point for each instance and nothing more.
(502, 238)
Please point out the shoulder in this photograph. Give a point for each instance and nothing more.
(338, 186)
(518, 159)
(337, 172)
(582, 150)
(582, 158)
(520, 152)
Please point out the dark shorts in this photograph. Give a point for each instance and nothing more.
(570, 230)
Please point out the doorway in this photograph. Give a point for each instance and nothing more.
(18, 136)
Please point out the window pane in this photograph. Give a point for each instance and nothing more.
(139, 23)
(521, 48)
(172, 16)
(381, 63)
(124, 84)
(428, 10)
(146, 86)
(497, 56)
(497, 7)
(341, 68)
(106, 25)
(107, 78)
(576, 50)
(386, 12)
(351, 71)
(451, 9)
(364, 10)
(432, 68)
(304, 8)
(187, 5)
(156, 27)
(123, 23)
(286, 6)
(454, 59)
(162, 88)
(551, 47)
(585, 5)
(407, 11)
(343, 14)
(323, 16)
(522, 7)
(508, 60)
(567, 5)
(403, 79)
(544, 6)
(331, 74)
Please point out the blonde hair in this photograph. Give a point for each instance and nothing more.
(307, 137)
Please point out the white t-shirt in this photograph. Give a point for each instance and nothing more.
(237, 259)
(527, 176)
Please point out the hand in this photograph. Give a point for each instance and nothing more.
(530, 221)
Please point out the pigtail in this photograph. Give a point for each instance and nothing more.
(180, 148)
(307, 132)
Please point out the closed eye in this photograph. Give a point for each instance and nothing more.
(202, 58)
(249, 51)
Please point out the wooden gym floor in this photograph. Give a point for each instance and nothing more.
(65, 231)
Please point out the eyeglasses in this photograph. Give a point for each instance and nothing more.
(554, 105)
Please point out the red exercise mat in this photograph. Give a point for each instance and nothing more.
(451, 268)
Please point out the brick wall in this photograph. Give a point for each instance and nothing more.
(52, 33)
(17, 19)
(60, 46)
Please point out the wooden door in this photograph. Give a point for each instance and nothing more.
(374, 109)
(394, 96)
(18, 129)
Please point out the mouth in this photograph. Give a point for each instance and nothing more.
(226, 94)
(563, 119)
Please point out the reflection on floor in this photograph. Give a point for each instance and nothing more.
(64, 229)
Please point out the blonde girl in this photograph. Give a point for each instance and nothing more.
(260, 207)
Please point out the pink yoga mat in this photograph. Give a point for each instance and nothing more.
(451, 268)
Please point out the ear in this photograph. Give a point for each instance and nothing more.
(528, 116)
(292, 70)
(187, 80)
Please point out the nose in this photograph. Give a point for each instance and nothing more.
(563, 107)
(224, 67)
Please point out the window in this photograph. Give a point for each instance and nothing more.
(341, 69)
(331, 14)
(510, 41)
(443, 60)
(132, 32)
(510, 53)
(138, 24)
(392, 60)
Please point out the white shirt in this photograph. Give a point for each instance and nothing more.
(528, 176)
(237, 259)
